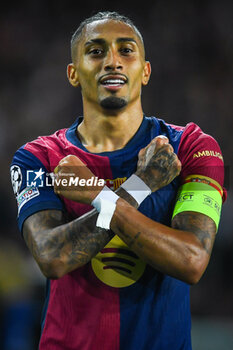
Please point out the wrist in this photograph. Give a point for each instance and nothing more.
(94, 194)
(105, 204)
(122, 193)
(136, 188)
(141, 174)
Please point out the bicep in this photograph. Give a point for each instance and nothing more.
(198, 209)
(198, 224)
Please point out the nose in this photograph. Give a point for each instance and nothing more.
(112, 61)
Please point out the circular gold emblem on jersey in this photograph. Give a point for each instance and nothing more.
(116, 265)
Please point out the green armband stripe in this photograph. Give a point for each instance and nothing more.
(201, 198)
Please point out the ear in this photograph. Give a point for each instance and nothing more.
(146, 73)
(72, 75)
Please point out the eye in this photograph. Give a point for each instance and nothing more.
(96, 52)
(126, 50)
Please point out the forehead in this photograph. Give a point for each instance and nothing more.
(109, 30)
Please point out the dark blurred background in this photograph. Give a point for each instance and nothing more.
(190, 46)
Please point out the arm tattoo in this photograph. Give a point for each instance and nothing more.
(50, 238)
(134, 241)
(74, 243)
(200, 225)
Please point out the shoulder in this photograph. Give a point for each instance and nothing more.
(200, 154)
(48, 142)
(30, 176)
(192, 132)
(41, 148)
(195, 144)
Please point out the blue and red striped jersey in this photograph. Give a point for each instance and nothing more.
(116, 301)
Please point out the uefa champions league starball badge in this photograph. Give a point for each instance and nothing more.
(16, 178)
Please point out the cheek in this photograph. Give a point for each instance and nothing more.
(137, 72)
(88, 84)
(87, 73)
(137, 79)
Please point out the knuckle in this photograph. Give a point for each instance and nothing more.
(171, 148)
(141, 152)
(177, 165)
(70, 156)
(68, 159)
(158, 141)
(161, 137)
(166, 148)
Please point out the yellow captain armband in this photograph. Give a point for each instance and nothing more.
(200, 194)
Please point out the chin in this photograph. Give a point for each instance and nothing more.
(113, 103)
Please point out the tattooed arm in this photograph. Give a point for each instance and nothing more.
(60, 247)
(182, 251)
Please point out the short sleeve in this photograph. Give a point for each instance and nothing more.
(200, 154)
(32, 186)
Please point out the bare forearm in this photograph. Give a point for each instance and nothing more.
(175, 252)
(76, 243)
(62, 247)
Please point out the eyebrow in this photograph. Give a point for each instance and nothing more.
(103, 41)
(122, 40)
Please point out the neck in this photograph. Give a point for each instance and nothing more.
(101, 132)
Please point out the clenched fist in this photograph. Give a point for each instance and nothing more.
(73, 180)
(157, 164)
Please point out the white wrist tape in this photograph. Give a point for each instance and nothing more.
(136, 188)
(105, 204)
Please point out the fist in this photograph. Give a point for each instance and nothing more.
(157, 164)
(73, 180)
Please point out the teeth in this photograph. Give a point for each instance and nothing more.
(114, 81)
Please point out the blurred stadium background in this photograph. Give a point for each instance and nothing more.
(190, 46)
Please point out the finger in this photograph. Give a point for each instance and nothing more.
(176, 164)
(56, 170)
(150, 151)
(168, 147)
(171, 148)
(65, 161)
(73, 160)
(179, 165)
(161, 139)
(142, 152)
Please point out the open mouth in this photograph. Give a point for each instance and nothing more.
(113, 82)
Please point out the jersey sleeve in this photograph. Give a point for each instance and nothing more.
(32, 186)
(200, 154)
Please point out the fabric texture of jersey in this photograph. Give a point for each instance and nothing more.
(116, 301)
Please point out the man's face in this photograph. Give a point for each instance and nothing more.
(110, 65)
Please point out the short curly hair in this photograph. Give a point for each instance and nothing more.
(98, 17)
